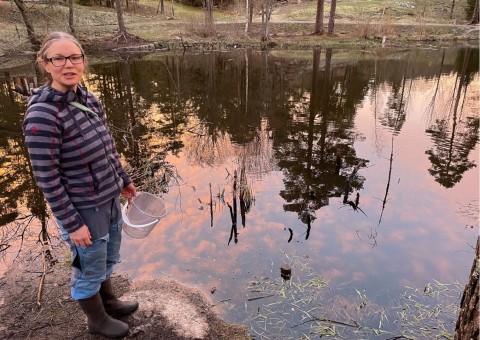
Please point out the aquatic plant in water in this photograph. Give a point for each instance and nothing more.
(304, 307)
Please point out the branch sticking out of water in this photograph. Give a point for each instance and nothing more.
(260, 297)
(356, 325)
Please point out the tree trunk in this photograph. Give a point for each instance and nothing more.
(467, 323)
(475, 16)
(331, 22)
(122, 30)
(30, 30)
(121, 22)
(451, 9)
(173, 11)
(70, 17)
(266, 14)
(161, 6)
(209, 15)
(319, 18)
(248, 21)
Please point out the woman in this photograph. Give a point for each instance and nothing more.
(77, 167)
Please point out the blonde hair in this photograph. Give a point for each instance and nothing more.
(47, 42)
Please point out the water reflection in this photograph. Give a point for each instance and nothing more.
(21, 202)
(454, 130)
(316, 147)
(337, 156)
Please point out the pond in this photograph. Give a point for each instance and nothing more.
(356, 169)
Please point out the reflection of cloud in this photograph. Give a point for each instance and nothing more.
(420, 238)
(202, 248)
(149, 269)
(418, 268)
(332, 274)
(398, 235)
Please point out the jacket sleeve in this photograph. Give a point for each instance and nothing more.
(117, 164)
(43, 138)
(120, 170)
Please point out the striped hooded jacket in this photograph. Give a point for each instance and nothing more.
(73, 156)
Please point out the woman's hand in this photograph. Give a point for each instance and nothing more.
(128, 192)
(81, 237)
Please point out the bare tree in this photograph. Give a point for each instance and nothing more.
(70, 17)
(209, 16)
(267, 9)
(121, 21)
(161, 7)
(331, 21)
(319, 19)
(475, 16)
(451, 9)
(32, 37)
(122, 30)
(249, 16)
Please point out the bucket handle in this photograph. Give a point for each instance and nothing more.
(126, 220)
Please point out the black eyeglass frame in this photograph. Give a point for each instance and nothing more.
(82, 60)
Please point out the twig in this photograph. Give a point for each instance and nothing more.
(211, 205)
(328, 320)
(38, 328)
(42, 277)
(260, 297)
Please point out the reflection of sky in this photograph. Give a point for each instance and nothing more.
(421, 237)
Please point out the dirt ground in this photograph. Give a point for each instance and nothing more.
(168, 310)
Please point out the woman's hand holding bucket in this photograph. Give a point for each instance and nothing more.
(128, 192)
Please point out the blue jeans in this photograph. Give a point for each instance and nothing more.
(93, 264)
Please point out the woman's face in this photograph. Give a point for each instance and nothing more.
(65, 74)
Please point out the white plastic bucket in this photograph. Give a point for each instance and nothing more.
(140, 217)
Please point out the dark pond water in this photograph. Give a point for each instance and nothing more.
(357, 169)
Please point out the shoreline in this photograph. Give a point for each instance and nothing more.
(299, 37)
(169, 309)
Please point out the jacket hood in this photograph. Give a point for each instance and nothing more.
(47, 94)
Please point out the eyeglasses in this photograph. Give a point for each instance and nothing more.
(61, 61)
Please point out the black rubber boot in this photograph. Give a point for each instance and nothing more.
(99, 321)
(114, 306)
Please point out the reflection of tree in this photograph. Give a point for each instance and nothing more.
(208, 143)
(319, 133)
(233, 211)
(20, 199)
(254, 108)
(385, 198)
(134, 131)
(10, 153)
(431, 106)
(455, 136)
(395, 115)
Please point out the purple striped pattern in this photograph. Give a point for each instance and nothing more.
(73, 155)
